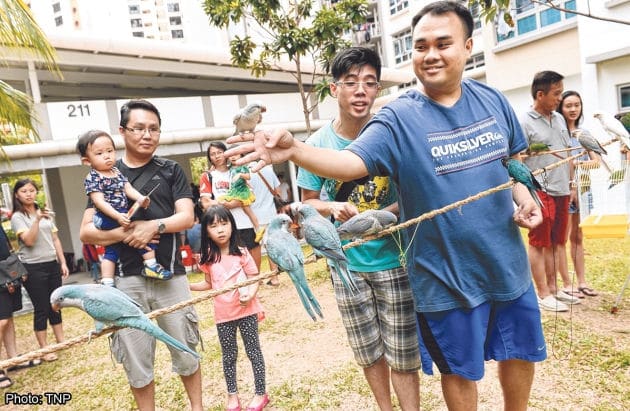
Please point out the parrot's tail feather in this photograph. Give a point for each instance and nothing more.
(303, 293)
(536, 198)
(150, 328)
(345, 276)
(314, 303)
(167, 339)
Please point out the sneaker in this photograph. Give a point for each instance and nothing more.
(567, 298)
(156, 271)
(108, 282)
(550, 303)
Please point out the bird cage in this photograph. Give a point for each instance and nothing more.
(604, 199)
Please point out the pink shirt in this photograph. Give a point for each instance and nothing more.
(227, 307)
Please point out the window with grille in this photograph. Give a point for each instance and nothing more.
(402, 46)
(396, 6)
(530, 17)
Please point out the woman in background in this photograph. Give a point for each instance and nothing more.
(41, 253)
(571, 109)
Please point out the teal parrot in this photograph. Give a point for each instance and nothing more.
(522, 174)
(110, 306)
(284, 250)
(321, 234)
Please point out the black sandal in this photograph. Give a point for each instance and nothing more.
(3, 379)
(26, 364)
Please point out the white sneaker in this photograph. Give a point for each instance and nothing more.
(567, 298)
(550, 303)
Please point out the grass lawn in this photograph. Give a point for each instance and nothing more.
(310, 367)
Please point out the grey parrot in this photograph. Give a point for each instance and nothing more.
(284, 250)
(321, 234)
(614, 127)
(522, 174)
(366, 223)
(110, 306)
(249, 116)
(590, 143)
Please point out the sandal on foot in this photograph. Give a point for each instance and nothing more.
(588, 291)
(26, 364)
(50, 357)
(5, 381)
(576, 293)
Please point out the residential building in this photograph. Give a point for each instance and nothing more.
(109, 52)
(180, 20)
(592, 54)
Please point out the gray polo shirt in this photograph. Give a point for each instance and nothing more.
(538, 129)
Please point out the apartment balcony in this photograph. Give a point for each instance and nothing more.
(369, 33)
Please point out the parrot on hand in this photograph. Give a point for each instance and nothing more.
(321, 234)
(284, 250)
(110, 306)
(522, 174)
(590, 143)
(249, 116)
(366, 223)
(614, 127)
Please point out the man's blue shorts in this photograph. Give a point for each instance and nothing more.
(459, 341)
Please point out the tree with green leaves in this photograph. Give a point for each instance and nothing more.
(20, 35)
(295, 29)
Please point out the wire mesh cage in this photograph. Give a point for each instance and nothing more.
(603, 199)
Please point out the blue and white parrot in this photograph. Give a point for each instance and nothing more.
(366, 223)
(321, 234)
(522, 174)
(110, 306)
(284, 250)
(248, 118)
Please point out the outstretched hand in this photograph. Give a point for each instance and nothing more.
(262, 147)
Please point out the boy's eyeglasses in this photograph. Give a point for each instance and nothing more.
(142, 131)
(353, 85)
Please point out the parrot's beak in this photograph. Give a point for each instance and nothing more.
(55, 307)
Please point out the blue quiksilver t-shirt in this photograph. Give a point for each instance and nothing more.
(438, 155)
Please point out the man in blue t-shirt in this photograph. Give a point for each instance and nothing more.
(468, 269)
(379, 318)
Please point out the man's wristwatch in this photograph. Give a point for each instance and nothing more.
(161, 227)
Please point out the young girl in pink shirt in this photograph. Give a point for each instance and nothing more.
(225, 263)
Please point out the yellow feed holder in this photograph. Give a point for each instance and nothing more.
(605, 226)
(604, 197)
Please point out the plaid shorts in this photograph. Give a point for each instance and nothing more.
(380, 318)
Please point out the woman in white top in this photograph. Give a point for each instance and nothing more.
(41, 253)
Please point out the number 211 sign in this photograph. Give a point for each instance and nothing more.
(68, 119)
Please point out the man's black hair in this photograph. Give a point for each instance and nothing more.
(351, 57)
(438, 8)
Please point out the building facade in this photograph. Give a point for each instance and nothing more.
(593, 55)
(591, 49)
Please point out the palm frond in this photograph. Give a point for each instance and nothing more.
(20, 34)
